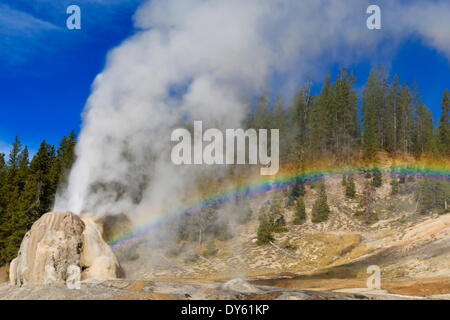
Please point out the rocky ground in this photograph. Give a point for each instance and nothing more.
(157, 290)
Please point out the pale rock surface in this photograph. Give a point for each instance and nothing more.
(97, 259)
(240, 285)
(62, 247)
(12, 275)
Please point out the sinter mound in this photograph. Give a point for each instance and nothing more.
(63, 247)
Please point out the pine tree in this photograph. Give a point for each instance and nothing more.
(40, 191)
(433, 195)
(27, 189)
(367, 199)
(3, 173)
(321, 121)
(444, 126)
(350, 188)
(391, 117)
(425, 138)
(13, 165)
(347, 126)
(62, 163)
(11, 194)
(13, 225)
(299, 113)
(276, 213)
(321, 210)
(405, 122)
(377, 180)
(265, 228)
(423, 129)
(300, 212)
(3, 203)
(14, 155)
(298, 190)
(271, 219)
(394, 186)
(373, 106)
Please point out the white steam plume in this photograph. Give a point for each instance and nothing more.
(215, 54)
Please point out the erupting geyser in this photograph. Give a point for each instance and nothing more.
(205, 60)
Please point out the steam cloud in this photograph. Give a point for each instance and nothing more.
(203, 60)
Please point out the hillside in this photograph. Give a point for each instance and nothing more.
(324, 260)
(407, 245)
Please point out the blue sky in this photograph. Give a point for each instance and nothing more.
(46, 70)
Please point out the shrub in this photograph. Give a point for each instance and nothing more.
(211, 249)
(276, 217)
(198, 226)
(220, 231)
(289, 246)
(376, 178)
(371, 218)
(175, 251)
(344, 180)
(192, 257)
(271, 220)
(433, 195)
(394, 186)
(321, 210)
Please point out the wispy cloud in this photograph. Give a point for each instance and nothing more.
(30, 28)
(22, 35)
(18, 22)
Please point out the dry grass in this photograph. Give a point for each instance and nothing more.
(419, 287)
(4, 274)
(427, 286)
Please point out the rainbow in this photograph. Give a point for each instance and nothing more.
(430, 171)
(262, 184)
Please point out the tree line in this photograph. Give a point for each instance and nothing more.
(28, 188)
(392, 118)
(340, 125)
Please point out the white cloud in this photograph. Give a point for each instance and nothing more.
(14, 22)
(22, 35)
